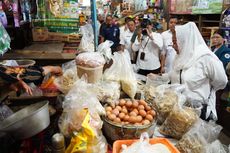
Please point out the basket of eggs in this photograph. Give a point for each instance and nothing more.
(128, 119)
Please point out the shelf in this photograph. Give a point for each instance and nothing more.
(211, 21)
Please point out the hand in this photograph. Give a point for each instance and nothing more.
(27, 88)
(56, 70)
(162, 70)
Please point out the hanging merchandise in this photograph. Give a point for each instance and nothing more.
(140, 5)
(3, 18)
(11, 9)
(225, 26)
(58, 15)
(4, 40)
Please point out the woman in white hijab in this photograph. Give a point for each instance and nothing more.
(198, 69)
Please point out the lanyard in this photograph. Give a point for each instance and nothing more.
(145, 44)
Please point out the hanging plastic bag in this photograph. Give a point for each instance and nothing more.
(121, 70)
(200, 134)
(4, 40)
(87, 40)
(105, 50)
(179, 120)
(65, 82)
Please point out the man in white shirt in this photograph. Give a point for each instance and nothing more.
(149, 45)
(125, 37)
(168, 53)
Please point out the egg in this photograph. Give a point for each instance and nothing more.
(137, 124)
(149, 117)
(124, 107)
(111, 116)
(108, 108)
(136, 111)
(142, 102)
(148, 108)
(142, 112)
(129, 103)
(118, 108)
(108, 112)
(113, 105)
(115, 111)
(126, 123)
(135, 104)
(124, 110)
(132, 114)
(139, 118)
(122, 102)
(126, 118)
(132, 119)
(140, 107)
(145, 122)
(152, 112)
(117, 120)
(121, 115)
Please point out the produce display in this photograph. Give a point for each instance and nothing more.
(131, 112)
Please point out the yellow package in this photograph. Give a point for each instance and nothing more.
(82, 140)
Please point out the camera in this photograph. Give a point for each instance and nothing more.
(144, 24)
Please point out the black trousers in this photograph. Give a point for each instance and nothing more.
(146, 72)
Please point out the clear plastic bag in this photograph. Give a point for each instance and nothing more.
(65, 82)
(79, 98)
(105, 50)
(5, 112)
(87, 40)
(179, 121)
(121, 70)
(156, 80)
(90, 59)
(200, 134)
(36, 91)
(215, 147)
(165, 99)
(4, 40)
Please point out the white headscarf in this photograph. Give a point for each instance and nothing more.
(191, 46)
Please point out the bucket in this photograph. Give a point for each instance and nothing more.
(93, 74)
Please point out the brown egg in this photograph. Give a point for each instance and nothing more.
(129, 103)
(148, 108)
(108, 112)
(121, 115)
(113, 105)
(124, 111)
(126, 123)
(145, 122)
(149, 117)
(142, 112)
(126, 118)
(115, 111)
(111, 116)
(136, 111)
(117, 120)
(118, 107)
(132, 114)
(139, 118)
(132, 119)
(122, 102)
(108, 108)
(142, 102)
(141, 107)
(135, 104)
(153, 113)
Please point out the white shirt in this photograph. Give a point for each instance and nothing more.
(125, 39)
(168, 50)
(151, 48)
(205, 74)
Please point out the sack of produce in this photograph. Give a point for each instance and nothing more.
(198, 137)
(165, 99)
(121, 70)
(179, 120)
(65, 82)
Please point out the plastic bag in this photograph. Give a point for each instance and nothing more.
(87, 40)
(65, 82)
(215, 147)
(4, 40)
(105, 50)
(156, 80)
(200, 134)
(107, 91)
(87, 139)
(5, 112)
(164, 100)
(90, 59)
(121, 70)
(179, 120)
(143, 146)
(35, 91)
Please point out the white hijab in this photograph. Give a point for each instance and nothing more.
(191, 46)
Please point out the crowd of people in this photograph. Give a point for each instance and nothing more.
(180, 51)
